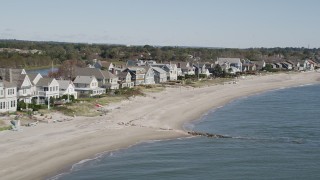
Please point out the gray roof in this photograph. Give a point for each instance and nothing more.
(44, 82)
(7, 84)
(84, 79)
(108, 75)
(165, 67)
(64, 84)
(98, 73)
(229, 60)
(32, 76)
(123, 74)
(140, 69)
(15, 76)
(159, 70)
(20, 80)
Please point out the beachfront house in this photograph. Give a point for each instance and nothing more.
(311, 65)
(170, 69)
(66, 87)
(248, 66)
(46, 88)
(87, 86)
(286, 65)
(160, 76)
(125, 80)
(173, 71)
(8, 97)
(149, 75)
(185, 68)
(21, 81)
(105, 78)
(34, 78)
(260, 64)
(202, 68)
(231, 65)
(137, 74)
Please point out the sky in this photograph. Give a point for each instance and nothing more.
(204, 23)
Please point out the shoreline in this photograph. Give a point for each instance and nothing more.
(45, 150)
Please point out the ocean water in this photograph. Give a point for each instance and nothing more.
(276, 135)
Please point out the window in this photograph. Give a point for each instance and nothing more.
(13, 103)
(50, 88)
(24, 91)
(1, 92)
(10, 91)
(57, 88)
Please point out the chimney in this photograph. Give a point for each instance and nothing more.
(8, 75)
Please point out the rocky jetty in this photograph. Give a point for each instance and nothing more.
(209, 135)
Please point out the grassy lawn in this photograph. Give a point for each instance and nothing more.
(207, 82)
(4, 126)
(151, 88)
(87, 106)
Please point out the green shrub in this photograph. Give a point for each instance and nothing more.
(65, 97)
(5, 128)
(21, 105)
(202, 76)
(188, 82)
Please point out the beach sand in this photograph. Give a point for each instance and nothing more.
(45, 150)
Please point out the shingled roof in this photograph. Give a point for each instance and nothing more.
(84, 79)
(98, 73)
(44, 82)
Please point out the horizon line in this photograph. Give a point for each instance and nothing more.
(156, 46)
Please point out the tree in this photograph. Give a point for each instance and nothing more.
(217, 71)
(67, 68)
(268, 68)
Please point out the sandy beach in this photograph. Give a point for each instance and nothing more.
(45, 150)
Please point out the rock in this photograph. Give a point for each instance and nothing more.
(209, 135)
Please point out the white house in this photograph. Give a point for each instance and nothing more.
(46, 88)
(88, 85)
(231, 65)
(8, 97)
(125, 80)
(67, 87)
(173, 74)
(105, 78)
(137, 74)
(185, 68)
(160, 75)
(25, 89)
(311, 65)
(21, 80)
(171, 70)
(34, 78)
(149, 76)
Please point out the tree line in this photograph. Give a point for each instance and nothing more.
(58, 52)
